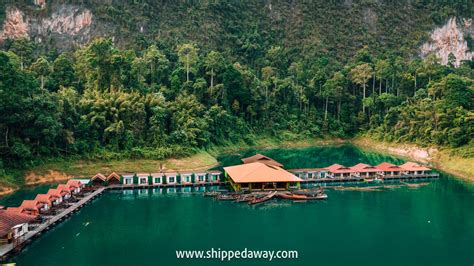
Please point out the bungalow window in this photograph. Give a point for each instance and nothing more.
(171, 179)
(157, 179)
(128, 181)
(187, 179)
(214, 177)
(201, 178)
(143, 181)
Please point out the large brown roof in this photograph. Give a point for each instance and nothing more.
(10, 219)
(258, 173)
(262, 159)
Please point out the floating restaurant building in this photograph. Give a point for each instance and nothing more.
(260, 176)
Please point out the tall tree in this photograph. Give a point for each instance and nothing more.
(188, 56)
(360, 75)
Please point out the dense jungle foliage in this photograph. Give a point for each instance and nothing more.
(162, 96)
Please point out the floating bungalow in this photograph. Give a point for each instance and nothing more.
(365, 170)
(76, 185)
(45, 199)
(113, 179)
(389, 169)
(32, 207)
(98, 180)
(67, 190)
(339, 171)
(60, 195)
(260, 176)
(142, 179)
(13, 225)
(412, 168)
(186, 178)
(128, 180)
(310, 173)
(200, 178)
(157, 178)
(214, 176)
(171, 178)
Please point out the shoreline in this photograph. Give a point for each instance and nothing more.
(430, 155)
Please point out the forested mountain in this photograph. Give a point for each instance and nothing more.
(153, 79)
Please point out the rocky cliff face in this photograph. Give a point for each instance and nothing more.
(449, 39)
(68, 23)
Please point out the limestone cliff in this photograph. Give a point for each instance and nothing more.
(67, 23)
(450, 39)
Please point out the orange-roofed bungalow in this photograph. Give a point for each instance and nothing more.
(113, 179)
(261, 159)
(389, 169)
(76, 185)
(98, 180)
(17, 210)
(339, 171)
(13, 225)
(32, 207)
(260, 176)
(46, 199)
(365, 170)
(57, 194)
(65, 188)
(413, 168)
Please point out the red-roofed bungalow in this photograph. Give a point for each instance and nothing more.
(13, 225)
(413, 168)
(67, 190)
(46, 199)
(340, 171)
(32, 207)
(364, 170)
(58, 194)
(76, 185)
(390, 169)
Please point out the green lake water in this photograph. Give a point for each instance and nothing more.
(427, 225)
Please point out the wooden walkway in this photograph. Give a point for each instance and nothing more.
(6, 249)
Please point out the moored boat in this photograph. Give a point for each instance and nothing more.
(263, 199)
(291, 196)
(212, 194)
(226, 197)
(246, 198)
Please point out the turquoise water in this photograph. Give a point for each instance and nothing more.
(427, 225)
